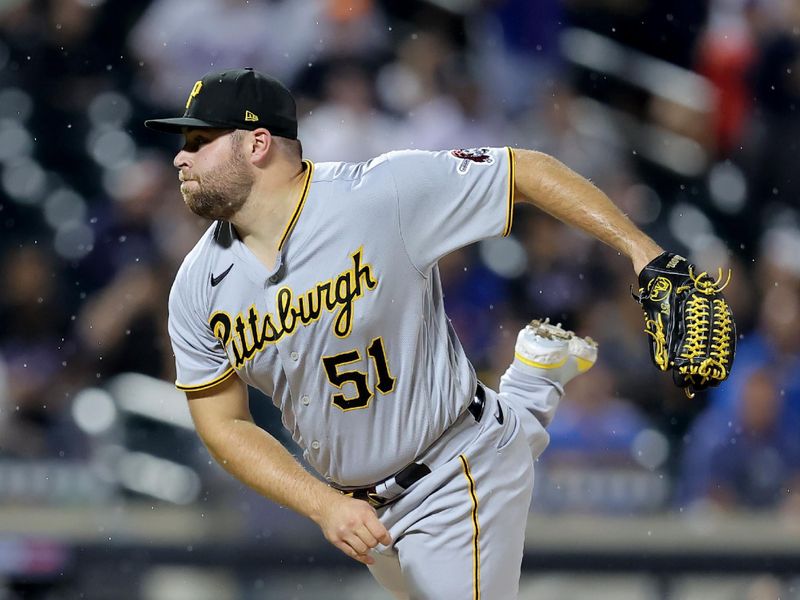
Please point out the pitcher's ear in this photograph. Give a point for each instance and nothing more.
(259, 144)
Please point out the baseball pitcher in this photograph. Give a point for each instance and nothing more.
(318, 284)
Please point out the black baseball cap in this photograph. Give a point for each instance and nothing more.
(236, 99)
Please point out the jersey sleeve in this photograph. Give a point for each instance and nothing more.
(447, 200)
(200, 360)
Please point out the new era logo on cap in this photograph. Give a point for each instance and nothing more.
(236, 99)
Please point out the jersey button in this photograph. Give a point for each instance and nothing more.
(294, 356)
(304, 400)
(315, 445)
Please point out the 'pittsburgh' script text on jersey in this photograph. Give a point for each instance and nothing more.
(249, 334)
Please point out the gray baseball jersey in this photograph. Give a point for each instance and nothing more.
(347, 331)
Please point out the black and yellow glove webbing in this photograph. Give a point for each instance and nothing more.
(689, 322)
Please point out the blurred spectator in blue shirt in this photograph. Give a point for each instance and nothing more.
(749, 458)
(775, 344)
(592, 426)
(603, 455)
(772, 348)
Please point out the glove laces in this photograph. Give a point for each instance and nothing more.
(700, 310)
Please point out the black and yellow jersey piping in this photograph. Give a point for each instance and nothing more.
(511, 188)
(300, 203)
(209, 384)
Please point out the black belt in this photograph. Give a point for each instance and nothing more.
(381, 494)
(390, 489)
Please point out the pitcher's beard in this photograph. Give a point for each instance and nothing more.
(219, 194)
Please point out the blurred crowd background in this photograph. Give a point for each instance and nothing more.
(685, 112)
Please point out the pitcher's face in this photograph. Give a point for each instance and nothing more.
(215, 176)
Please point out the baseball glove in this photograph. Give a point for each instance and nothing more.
(689, 323)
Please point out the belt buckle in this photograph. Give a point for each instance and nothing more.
(404, 479)
(367, 495)
(375, 501)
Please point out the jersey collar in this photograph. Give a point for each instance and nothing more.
(300, 203)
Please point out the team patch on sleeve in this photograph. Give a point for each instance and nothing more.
(471, 155)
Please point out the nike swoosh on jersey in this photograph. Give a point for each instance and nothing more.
(499, 415)
(215, 281)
